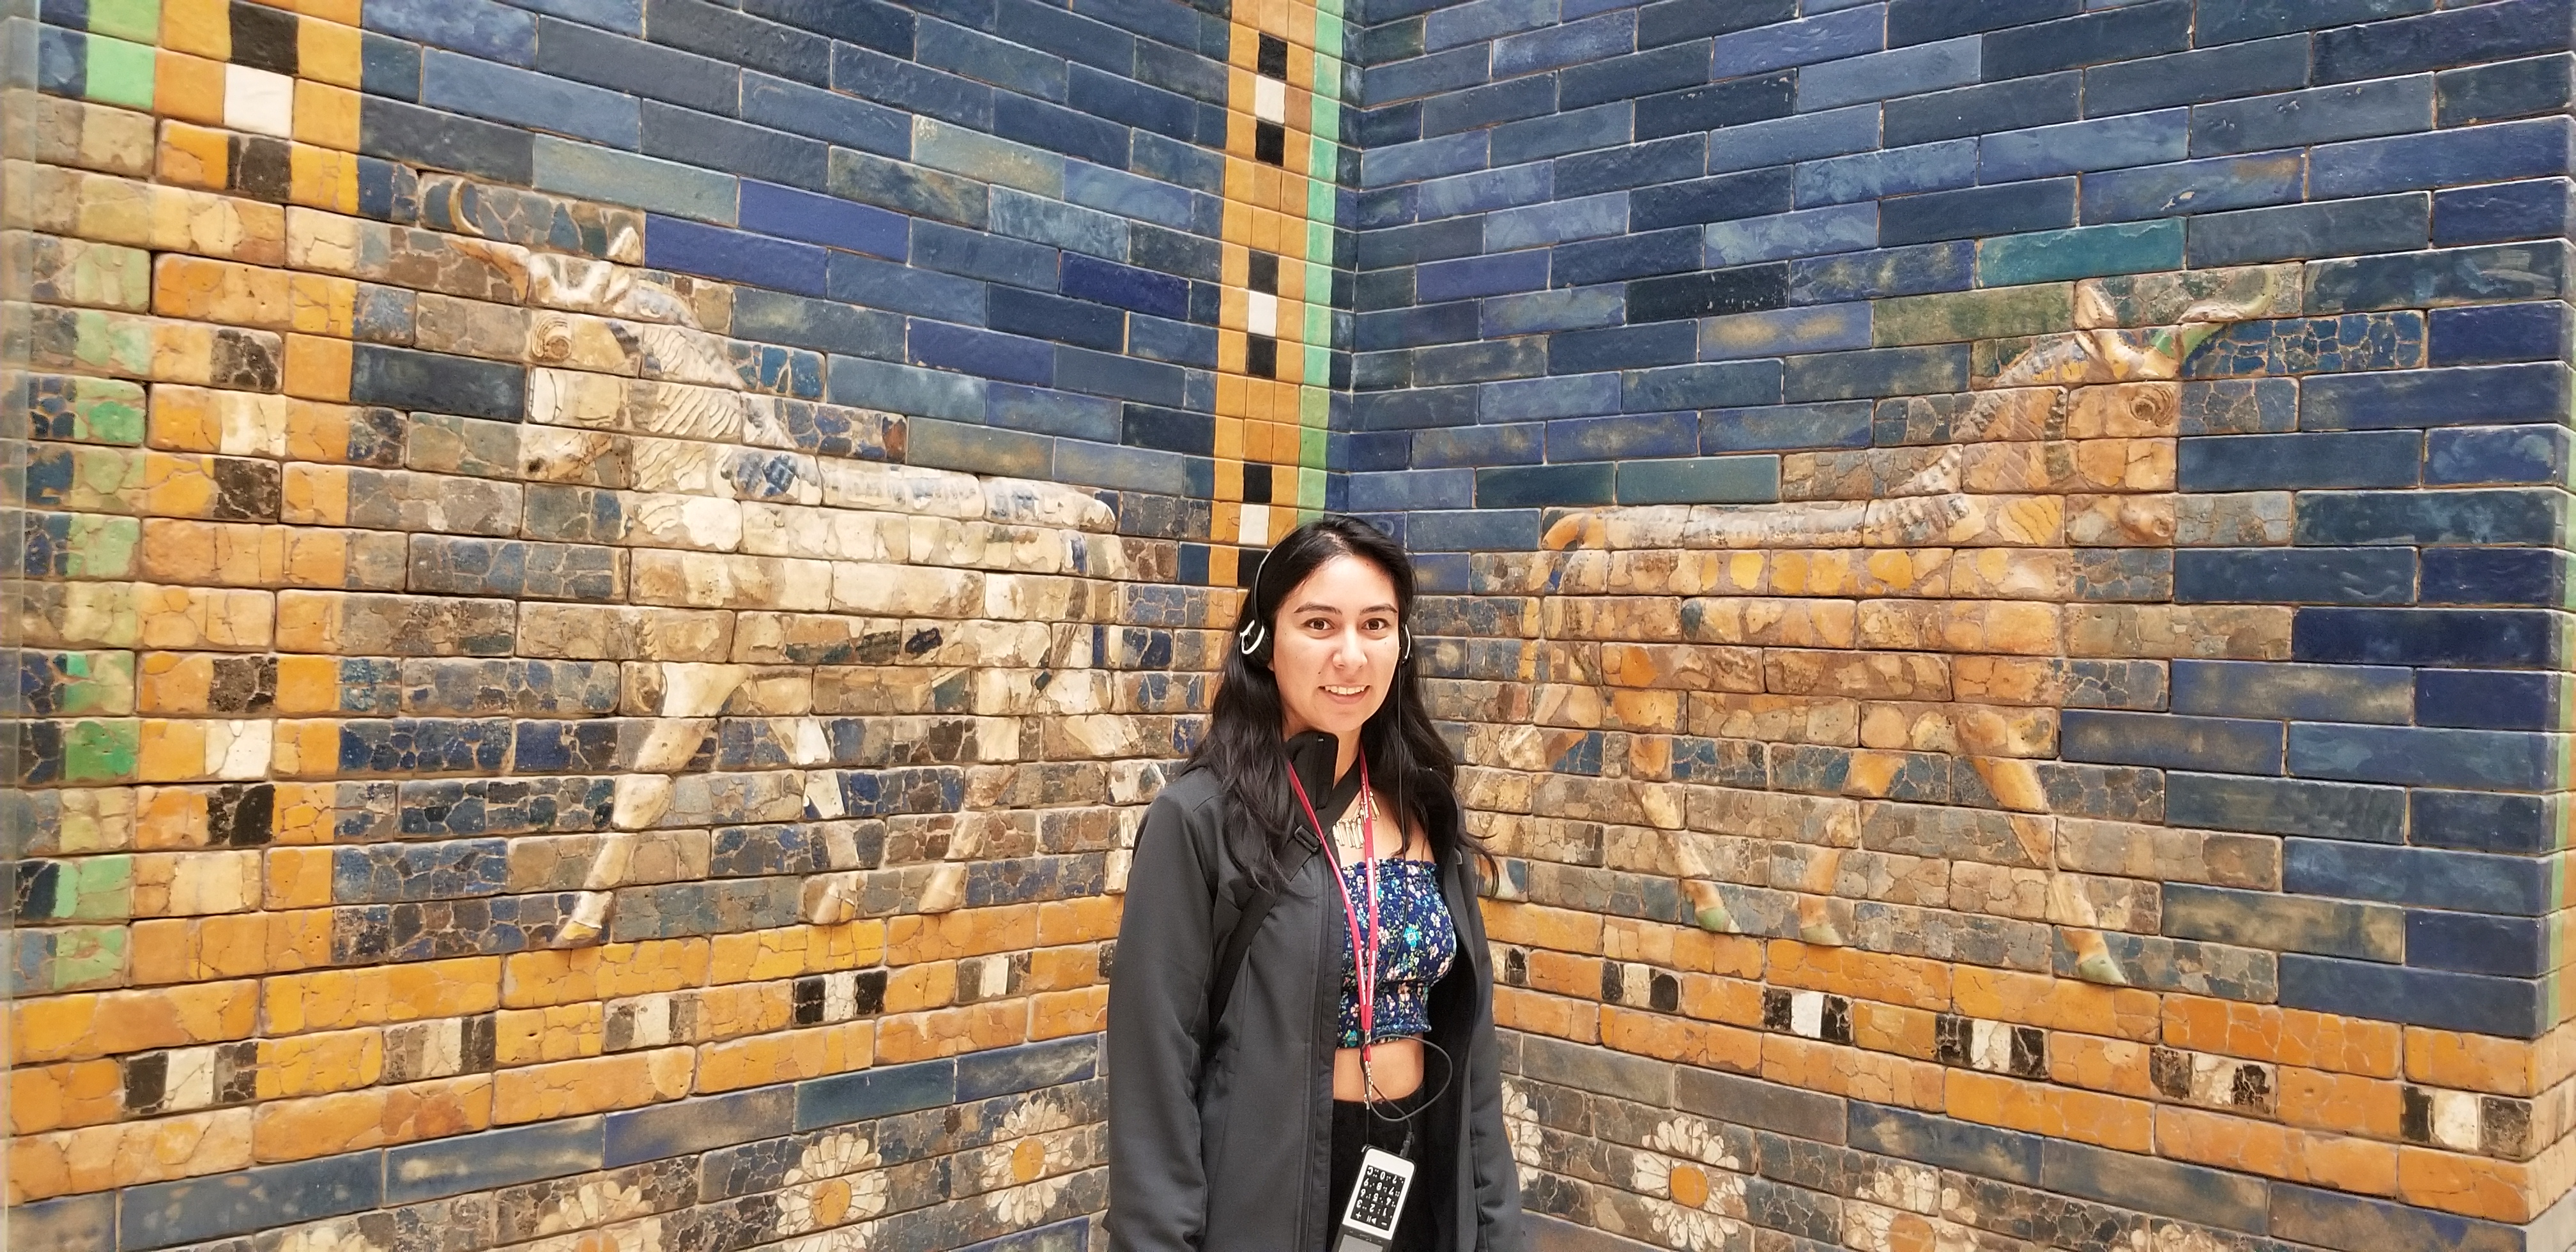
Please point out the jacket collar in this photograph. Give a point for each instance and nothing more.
(1311, 755)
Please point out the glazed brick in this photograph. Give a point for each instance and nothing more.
(1669, 21)
(2491, 32)
(1721, 198)
(1877, 372)
(2319, 115)
(992, 258)
(1637, 74)
(2489, 699)
(2454, 637)
(1977, 211)
(971, 53)
(2013, 103)
(2423, 998)
(1628, 256)
(408, 133)
(1532, 486)
(1731, 385)
(1844, 424)
(390, 67)
(1510, 444)
(2497, 454)
(1576, 41)
(2471, 154)
(691, 1126)
(1623, 347)
(2427, 877)
(477, 27)
(1780, 141)
(161, 1214)
(1556, 134)
(1805, 233)
(845, 1098)
(723, 34)
(2298, 576)
(2110, 35)
(679, 244)
(2425, 756)
(2293, 692)
(1481, 530)
(589, 55)
(1825, 37)
(792, 214)
(2489, 93)
(2500, 334)
(2373, 458)
(1636, 165)
(479, 88)
(2219, 1198)
(2530, 210)
(2170, 741)
(1735, 102)
(2337, 228)
(2106, 143)
(900, 84)
(1054, 127)
(501, 1158)
(80, 1223)
(2205, 186)
(2446, 397)
(1780, 332)
(2493, 576)
(404, 379)
(1883, 75)
(2481, 821)
(2286, 806)
(1429, 158)
(1574, 395)
(2199, 76)
(1890, 172)
(2457, 276)
(1699, 480)
(1710, 293)
(1917, 270)
(1405, 490)
(2469, 943)
(1558, 221)
(2360, 517)
(904, 289)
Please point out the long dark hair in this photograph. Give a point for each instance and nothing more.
(1409, 764)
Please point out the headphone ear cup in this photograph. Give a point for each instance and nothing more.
(1407, 654)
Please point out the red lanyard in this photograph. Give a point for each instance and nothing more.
(1363, 954)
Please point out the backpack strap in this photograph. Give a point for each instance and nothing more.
(1229, 962)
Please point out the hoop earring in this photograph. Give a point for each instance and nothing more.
(1251, 638)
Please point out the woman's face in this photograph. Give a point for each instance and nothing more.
(1337, 646)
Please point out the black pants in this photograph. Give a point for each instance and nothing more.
(1355, 1131)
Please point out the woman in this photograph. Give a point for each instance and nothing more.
(1243, 1095)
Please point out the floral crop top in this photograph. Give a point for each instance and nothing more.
(1416, 943)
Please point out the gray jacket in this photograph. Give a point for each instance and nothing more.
(1220, 1136)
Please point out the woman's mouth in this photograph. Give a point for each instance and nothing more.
(1345, 693)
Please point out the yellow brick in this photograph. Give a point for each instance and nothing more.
(99, 1157)
(192, 884)
(572, 1088)
(914, 988)
(1078, 921)
(915, 937)
(341, 1060)
(220, 291)
(796, 951)
(947, 1032)
(188, 88)
(317, 368)
(52, 1097)
(563, 1032)
(308, 684)
(571, 975)
(326, 115)
(302, 812)
(305, 749)
(1056, 1014)
(297, 1130)
(329, 51)
(2061, 1112)
(786, 1056)
(323, 305)
(340, 998)
(204, 27)
(298, 878)
(194, 156)
(174, 683)
(321, 178)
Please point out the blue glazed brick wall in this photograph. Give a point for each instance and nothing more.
(1835, 428)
